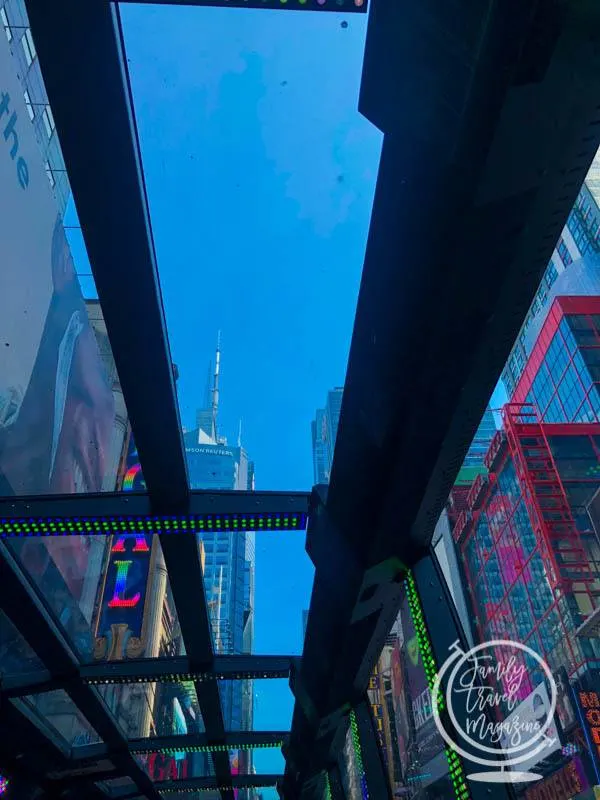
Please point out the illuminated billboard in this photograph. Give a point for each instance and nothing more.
(56, 403)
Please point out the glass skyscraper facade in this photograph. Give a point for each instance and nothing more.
(482, 440)
(565, 273)
(229, 562)
(324, 432)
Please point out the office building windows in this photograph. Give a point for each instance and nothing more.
(29, 105)
(28, 47)
(6, 24)
(50, 174)
(48, 121)
(551, 274)
(563, 252)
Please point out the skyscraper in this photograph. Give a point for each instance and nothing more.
(324, 431)
(565, 273)
(15, 24)
(229, 560)
(482, 440)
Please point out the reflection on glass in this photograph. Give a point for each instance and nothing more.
(267, 704)
(16, 656)
(412, 748)
(153, 709)
(110, 594)
(57, 710)
(176, 765)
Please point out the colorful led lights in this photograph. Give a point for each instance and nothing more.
(455, 768)
(212, 748)
(196, 677)
(118, 600)
(3, 785)
(358, 755)
(141, 545)
(129, 477)
(59, 526)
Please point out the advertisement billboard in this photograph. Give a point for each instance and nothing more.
(530, 715)
(56, 404)
(427, 740)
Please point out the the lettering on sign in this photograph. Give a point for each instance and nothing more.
(166, 768)
(567, 782)
(590, 705)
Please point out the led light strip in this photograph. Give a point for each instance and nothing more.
(190, 790)
(53, 526)
(328, 795)
(195, 677)
(358, 755)
(209, 748)
(455, 768)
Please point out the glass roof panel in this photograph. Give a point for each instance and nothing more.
(16, 656)
(260, 175)
(176, 765)
(61, 407)
(153, 709)
(56, 710)
(111, 596)
(273, 704)
(265, 618)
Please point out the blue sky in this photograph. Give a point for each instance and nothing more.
(260, 175)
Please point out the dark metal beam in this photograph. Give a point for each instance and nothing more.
(79, 46)
(238, 781)
(25, 610)
(122, 504)
(223, 667)
(238, 740)
(310, 5)
(488, 136)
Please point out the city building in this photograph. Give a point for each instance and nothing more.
(324, 432)
(14, 21)
(580, 237)
(117, 450)
(481, 441)
(229, 560)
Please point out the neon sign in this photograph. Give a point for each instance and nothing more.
(122, 615)
(119, 600)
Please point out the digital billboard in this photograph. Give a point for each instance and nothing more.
(56, 404)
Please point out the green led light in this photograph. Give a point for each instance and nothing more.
(151, 524)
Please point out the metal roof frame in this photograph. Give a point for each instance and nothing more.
(486, 202)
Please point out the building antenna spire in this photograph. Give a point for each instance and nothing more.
(215, 391)
(239, 443)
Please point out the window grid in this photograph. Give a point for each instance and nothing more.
(28, 47)
(6, 24)
(29, 105)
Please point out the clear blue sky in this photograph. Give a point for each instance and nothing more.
(260, 176)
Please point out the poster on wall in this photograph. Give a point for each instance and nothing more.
(56, 404)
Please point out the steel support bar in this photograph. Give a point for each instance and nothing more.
(232, 667)
(311, 5)
(202, 784)
(26, 612)
(133, 504)
(234, 740)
